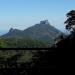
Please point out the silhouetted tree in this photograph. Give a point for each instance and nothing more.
(70, 22)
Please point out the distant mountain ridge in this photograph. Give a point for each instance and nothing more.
(42, 31)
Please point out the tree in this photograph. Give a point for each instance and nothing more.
(70, 22)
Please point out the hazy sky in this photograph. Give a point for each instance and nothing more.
(24, 13)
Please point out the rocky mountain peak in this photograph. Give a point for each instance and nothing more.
(44, 22)
(11, 29)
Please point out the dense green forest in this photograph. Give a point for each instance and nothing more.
(15, 57)
(27, 62)
(22, 43)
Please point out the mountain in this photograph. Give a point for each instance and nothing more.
(42, 31)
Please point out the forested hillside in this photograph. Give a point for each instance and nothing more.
(42, 31)
(22, 43)
(27, 62)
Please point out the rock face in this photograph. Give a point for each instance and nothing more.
(42, 31)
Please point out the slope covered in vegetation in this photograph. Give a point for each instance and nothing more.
(27, 62)
(22, 43)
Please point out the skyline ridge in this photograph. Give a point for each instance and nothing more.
(46, 22)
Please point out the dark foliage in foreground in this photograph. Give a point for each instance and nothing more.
(43, 62)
